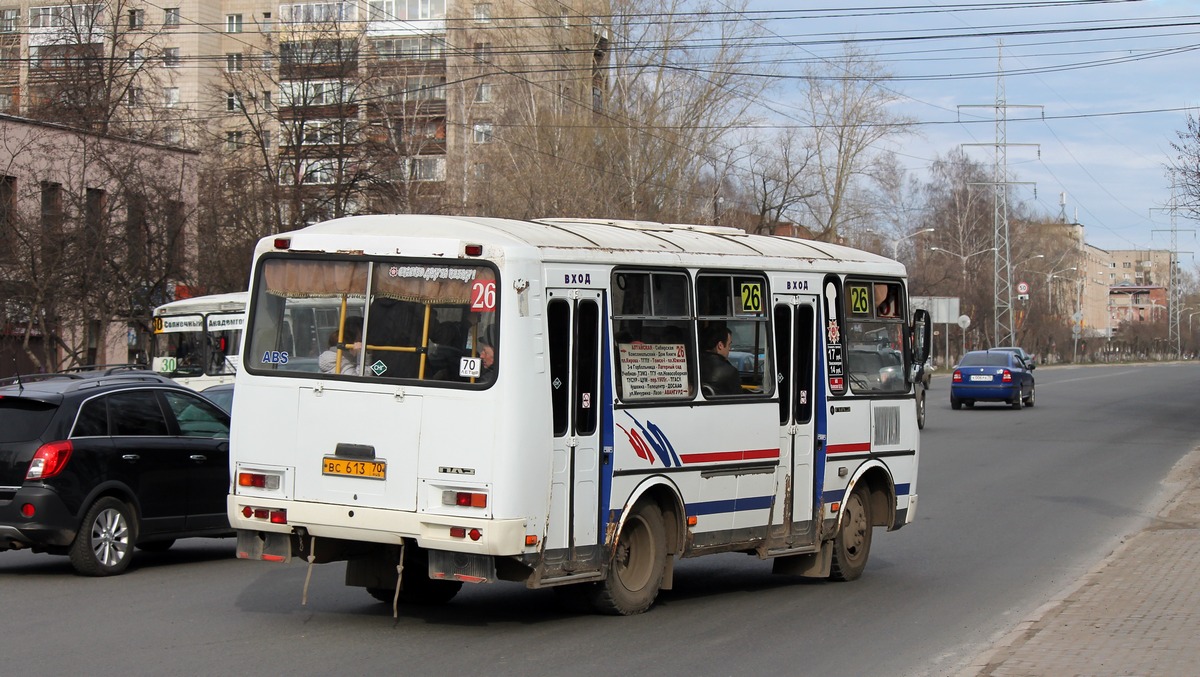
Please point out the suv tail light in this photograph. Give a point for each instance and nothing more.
(49, 460)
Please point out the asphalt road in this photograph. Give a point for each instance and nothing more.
(1015, 505)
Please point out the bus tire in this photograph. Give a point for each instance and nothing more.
(852, 544)
(636, 571)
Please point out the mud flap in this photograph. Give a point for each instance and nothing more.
(812, 565)
(460, 566)
(264, 545)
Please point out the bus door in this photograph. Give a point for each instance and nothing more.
(797, 341)
(574, 331)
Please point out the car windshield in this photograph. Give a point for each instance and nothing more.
(984, 360)
(23, 420)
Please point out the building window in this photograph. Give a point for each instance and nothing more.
(172, 135)
(483, 12)
(233, 23)
(233, 62)
(483, 132)
(233, 102)
(381, 10)
(483, 51)
(137, 57)
(170, 96)
(170, 57)
(265, 26)
(597, 100)
(234, 140)
(137, 18)
(8, 217)
(1126, 264)
(133, 96)
(427, 169)
(6, 102)
(8, 20)
(564, 19)
(171, 17)
(410, 48)
(480, 172)
(483, 92)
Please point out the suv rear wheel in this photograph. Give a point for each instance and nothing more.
(104, 544)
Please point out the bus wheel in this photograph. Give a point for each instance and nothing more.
(853, 541)
(636, 571)
(418, 587)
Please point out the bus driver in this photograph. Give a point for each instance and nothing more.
(716, 373)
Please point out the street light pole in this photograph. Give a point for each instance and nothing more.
(963, 259)
(897, 241)
(1049, 285)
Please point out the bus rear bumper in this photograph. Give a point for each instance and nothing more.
(264, 537)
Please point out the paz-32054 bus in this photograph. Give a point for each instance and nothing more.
(570, 403)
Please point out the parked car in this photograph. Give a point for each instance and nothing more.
(94, 464)
(991, 376)
(221, 395)
(1028, 358)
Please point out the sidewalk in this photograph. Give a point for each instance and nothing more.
(1137, 613)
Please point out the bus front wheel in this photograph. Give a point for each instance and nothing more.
(636, 571)
(853, 541)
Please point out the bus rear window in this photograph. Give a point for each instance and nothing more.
(375, 320)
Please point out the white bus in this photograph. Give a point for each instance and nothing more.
(571, 403)
(196, 339)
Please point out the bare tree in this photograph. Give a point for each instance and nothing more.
(94, 67)
(849, 118)
(99, 233)
(1185, 170)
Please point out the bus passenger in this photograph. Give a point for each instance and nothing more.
(487, 359)
(350, 347)
(717, 375)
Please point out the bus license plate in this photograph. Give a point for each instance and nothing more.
(351, 468)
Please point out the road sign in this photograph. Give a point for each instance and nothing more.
(1077, 317)
(1022, 287)
(964, 321)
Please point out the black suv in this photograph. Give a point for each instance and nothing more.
(92, 464)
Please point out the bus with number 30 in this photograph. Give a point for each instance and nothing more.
(570, 403)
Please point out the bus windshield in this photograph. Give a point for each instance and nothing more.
(374, 319)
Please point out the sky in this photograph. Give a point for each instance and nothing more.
(1114, 80)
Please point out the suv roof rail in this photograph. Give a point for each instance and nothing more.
(91, 376)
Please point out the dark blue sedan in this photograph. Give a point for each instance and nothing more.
(992, 376)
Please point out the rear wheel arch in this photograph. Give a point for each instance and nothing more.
(667, 497)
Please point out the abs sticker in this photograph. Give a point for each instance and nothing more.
(275, 357)
(860, 299)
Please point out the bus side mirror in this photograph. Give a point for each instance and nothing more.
(921, 328)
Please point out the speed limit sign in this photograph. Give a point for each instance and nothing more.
(1022, 287)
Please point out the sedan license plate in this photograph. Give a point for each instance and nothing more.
(980, 377)
(346, 467)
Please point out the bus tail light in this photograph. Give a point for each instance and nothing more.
(49, 460)
(283, 242)
(279, 516)
(258, 480)
(474, 533)
(464, 499)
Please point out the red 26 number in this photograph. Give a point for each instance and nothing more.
(483, 297)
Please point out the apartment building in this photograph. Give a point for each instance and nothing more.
(405, 96)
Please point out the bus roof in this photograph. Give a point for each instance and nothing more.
(585, 240)
(234, 302)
